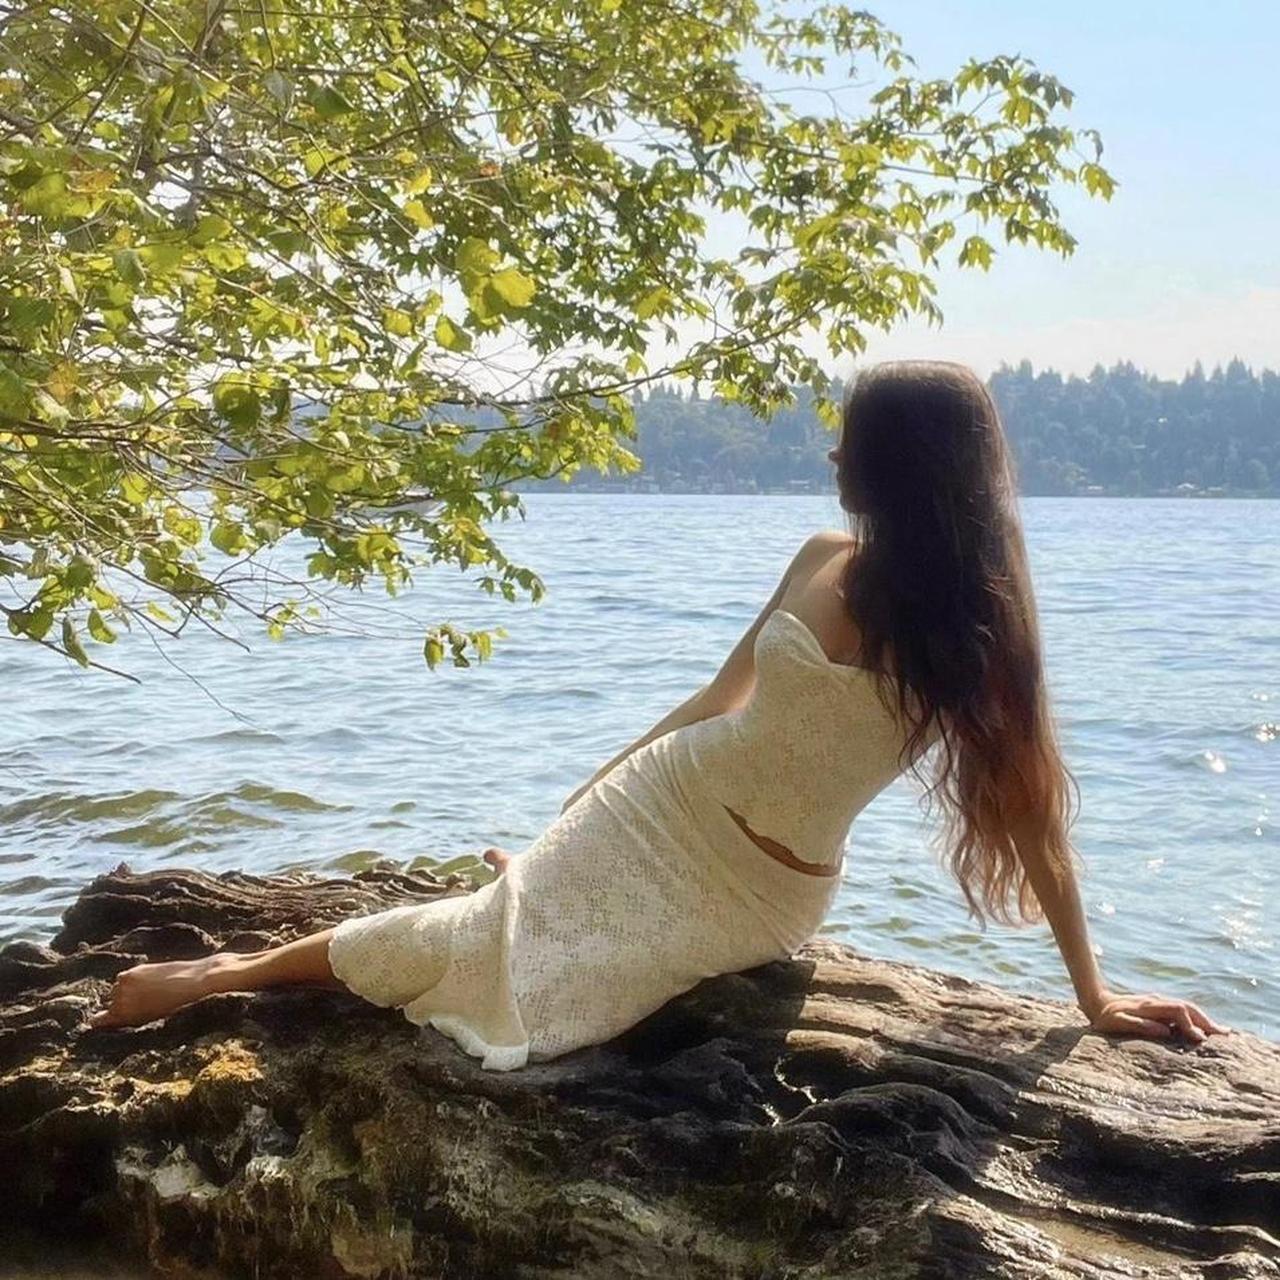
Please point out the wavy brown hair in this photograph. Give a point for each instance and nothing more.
(938, 582)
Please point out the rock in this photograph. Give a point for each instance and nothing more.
(830, 1116)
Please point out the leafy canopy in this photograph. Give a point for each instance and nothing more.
(278, 269)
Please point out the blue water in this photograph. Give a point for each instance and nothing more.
(325, 752)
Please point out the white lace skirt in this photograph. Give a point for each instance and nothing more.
(635, 894)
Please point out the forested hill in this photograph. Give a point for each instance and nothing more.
(1117, 431)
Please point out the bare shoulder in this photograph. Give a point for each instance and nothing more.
(820, 546)
(817, 551)
(814, 593)
(831, 539)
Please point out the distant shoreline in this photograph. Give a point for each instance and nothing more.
(552, 487)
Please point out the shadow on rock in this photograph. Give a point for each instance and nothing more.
(832, 1115)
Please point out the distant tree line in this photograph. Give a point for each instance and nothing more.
(1118, 431)
(1131, 432)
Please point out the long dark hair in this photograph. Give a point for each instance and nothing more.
(938, 581)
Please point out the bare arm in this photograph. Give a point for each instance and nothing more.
(1107, 1009)
(1060, 898)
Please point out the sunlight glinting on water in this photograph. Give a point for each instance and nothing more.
(327, 752)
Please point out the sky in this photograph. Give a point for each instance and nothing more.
(1181, 265)
(1184, 262)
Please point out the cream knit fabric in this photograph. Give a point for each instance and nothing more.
(646, 885)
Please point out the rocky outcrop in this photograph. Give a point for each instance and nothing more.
(831, 1116)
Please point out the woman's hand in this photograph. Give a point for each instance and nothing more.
(1157, 1017)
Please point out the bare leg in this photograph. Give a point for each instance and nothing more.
(150, 991)
(147, 992)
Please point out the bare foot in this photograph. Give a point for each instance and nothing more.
(497, 858)
(150, 991)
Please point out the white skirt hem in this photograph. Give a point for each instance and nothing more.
(493, 1057)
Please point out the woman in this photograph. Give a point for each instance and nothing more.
(714, 842)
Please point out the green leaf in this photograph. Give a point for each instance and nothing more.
(71, 642)
(227, 537)
(163, 256)
(79, 573)
(34, 622)
(210, 227)
(47, 197)
(513, 287)
(389, 81)
(128, 265)
(225, 257)
(331, 103)
(976, 252)
(28, 316)
(397, 322)
(99, 630)
(237, 402)
(135, 488)
(475, 257)
(15, 395)
(450, 336)
(182, 524)
(1097, 181)
(316, 159)
(287, 242)
(420, 181)
(433, 652)
(418, 213)
(654, 301)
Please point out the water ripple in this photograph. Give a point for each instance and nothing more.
(351, 753)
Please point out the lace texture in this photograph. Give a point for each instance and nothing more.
(810, 749)
(646, 885)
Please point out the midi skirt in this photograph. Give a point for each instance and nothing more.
(640, 890)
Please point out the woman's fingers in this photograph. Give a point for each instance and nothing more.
(1170, 1011)
(1202, 1019)
(1133, 1024)
(1177, 1011)
(1186, 1024)
(1198, 1016)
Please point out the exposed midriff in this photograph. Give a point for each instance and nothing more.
(780, 852)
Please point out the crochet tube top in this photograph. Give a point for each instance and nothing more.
(811, 747)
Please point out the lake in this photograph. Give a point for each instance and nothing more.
(327, 752)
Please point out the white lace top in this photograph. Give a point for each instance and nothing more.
(811, 748)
